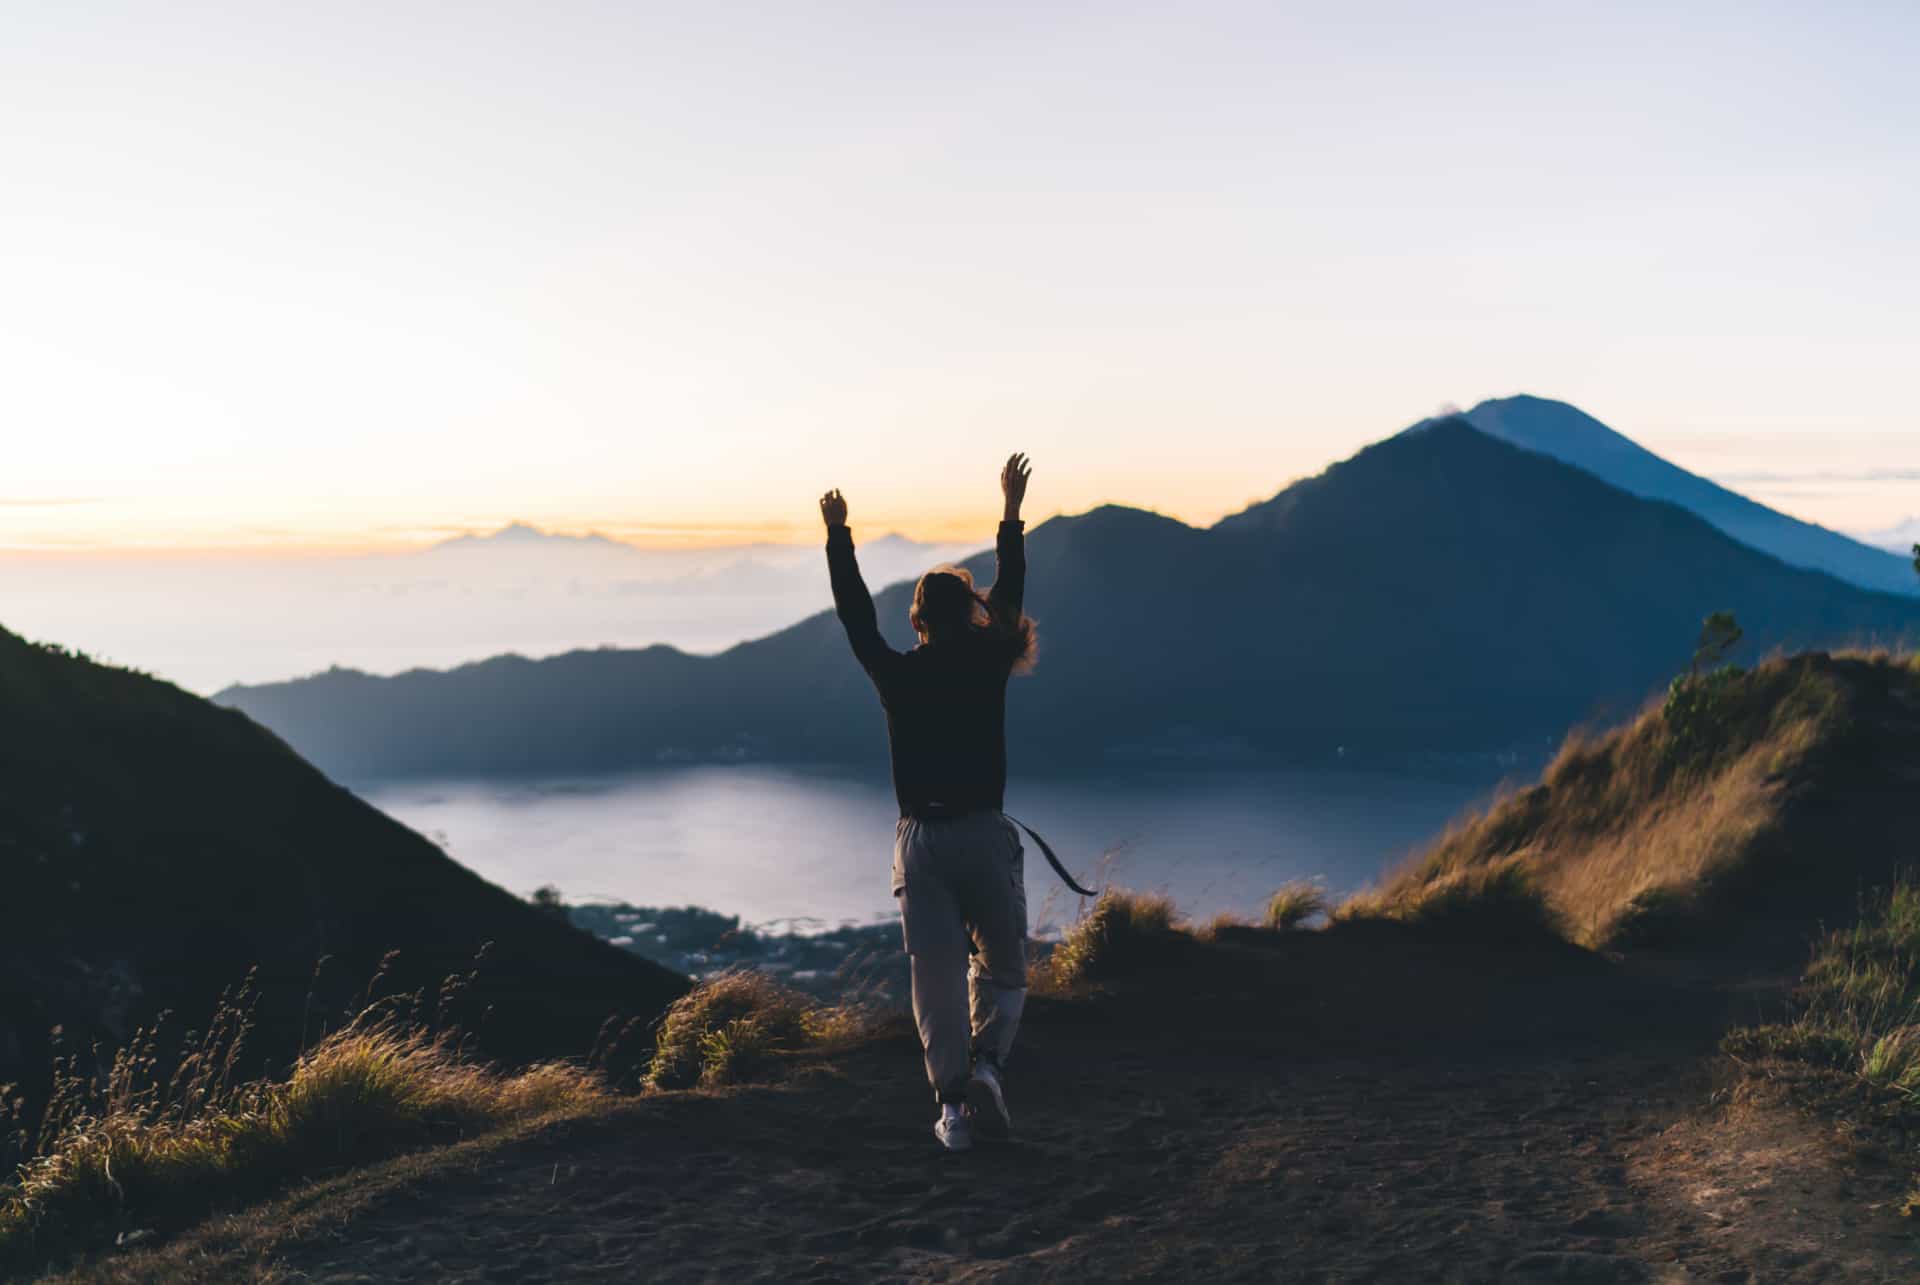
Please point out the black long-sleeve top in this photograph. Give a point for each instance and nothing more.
(945, 700)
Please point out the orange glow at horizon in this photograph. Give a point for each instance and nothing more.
(128, 529)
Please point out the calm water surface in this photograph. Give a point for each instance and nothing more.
(778, 843)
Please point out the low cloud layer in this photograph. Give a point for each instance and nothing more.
(205, 623)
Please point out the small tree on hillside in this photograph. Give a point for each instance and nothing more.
(1719, 633)
(1700, 700)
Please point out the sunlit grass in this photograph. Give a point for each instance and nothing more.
(1632, 831)
(1859, 1003)
(1293, 904)
(1500, 903)
(136, 1148)
(1858, 1009)
(738, 1026)
(158, 1138)
(1109, 936)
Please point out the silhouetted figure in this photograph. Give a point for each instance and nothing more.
(958, 865)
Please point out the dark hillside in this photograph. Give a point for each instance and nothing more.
(154, 847)
(1440, 591)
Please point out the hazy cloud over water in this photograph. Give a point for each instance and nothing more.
(206, 622)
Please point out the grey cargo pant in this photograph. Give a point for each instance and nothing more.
(961, 882)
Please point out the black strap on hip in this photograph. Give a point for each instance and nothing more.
(1052, 860)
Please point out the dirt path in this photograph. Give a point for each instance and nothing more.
(1552, 1123)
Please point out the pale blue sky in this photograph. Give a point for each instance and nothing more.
(348, 274)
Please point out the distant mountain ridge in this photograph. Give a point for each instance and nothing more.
(519, 536)
(1574, 437)
(526, 535)
(1442, 590)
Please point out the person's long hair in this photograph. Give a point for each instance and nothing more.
(946, 606)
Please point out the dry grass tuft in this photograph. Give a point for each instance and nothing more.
(1629, 832)
(370, 1090)
(136, 1148)
(1111, 936)
(738, 1026)
(1221, 925)
(1495, 903)
(1293, 904)
(156, 1140)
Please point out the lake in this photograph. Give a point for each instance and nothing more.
(783, 844)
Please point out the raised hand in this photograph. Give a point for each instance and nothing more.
(833, 509)
(1013, 483)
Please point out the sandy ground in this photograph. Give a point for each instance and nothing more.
(1323, 1108)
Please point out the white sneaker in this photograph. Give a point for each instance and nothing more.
(987, 1101)
(952, 1129)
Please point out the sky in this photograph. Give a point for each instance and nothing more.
(297, 278)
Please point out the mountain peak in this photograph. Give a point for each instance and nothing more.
(521, 532)
(524, 535)
(1445, 422)
(1570, 435)
(1563, 430)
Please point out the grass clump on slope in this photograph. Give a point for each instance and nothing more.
(1642, 827)
(738, 1026)
(141, 1147)
(1120, 931)
(159, 1139)
(1291, 907)
(1125, 929)
(1857, 1014)
(1293, 904)
(1858, 1007)
(1497, 903)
